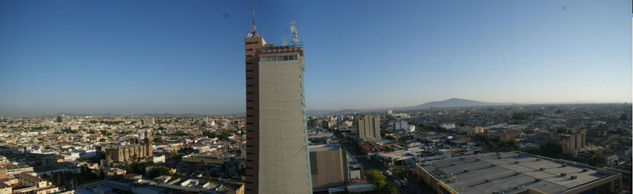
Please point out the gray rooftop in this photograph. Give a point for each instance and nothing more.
(513, 172)
(324, 147)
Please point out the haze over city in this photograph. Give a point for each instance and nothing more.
(327, 97)
(186, 57)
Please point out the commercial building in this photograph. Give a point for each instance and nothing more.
(326, 166)
(403, 125)
(516, 172)
(131, 152)
(368, 127)
(276, 145)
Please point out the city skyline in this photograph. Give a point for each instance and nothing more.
(184, 58)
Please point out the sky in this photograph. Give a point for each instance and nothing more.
(167, 56)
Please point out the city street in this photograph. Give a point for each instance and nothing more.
(372, 164)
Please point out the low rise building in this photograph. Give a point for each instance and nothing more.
(326, 166)
(29, 180)
(14, 170)
(516, 172)
(5, 189)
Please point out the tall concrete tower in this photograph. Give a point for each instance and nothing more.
(148, 143)
(276, 135)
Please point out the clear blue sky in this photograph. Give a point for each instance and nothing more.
(187, 56)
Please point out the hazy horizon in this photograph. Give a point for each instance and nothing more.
(137, 57)
(240, 112)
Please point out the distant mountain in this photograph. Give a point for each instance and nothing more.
(333, 112)
(454, 102)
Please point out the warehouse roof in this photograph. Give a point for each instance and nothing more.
(512, 172)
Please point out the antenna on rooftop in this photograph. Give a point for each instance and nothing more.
(293, 31)
(253, 9)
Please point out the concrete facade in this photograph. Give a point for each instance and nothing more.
(276, 147)
(5, 189)
(3, 173)
(574, 141)
(326, 166)
(131, 152)
(368, 127)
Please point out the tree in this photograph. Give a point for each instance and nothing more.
(224, 135)
(551, 149)
(58, 179)
(181, 133)
(156, 172)
(377, 178)
(382, 186)
(103, 175)
(624, 117)
(159, 140)
(138, 167)
(206, 173)
(389, 189)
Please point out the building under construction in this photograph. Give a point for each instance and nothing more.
(276, 135)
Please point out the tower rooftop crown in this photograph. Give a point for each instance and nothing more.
(253, 33)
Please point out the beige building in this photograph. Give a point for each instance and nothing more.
(5, 189)
(368, 127)
(30, 183)
(574, 141)
(3, 173)
(131, 152)
(29, 180)
(276, 145)
(326, 166)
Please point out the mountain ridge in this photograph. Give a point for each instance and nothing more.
(455, 102)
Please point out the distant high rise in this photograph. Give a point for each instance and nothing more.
(148, 121)
(573, 141)
(276, 146)
(148, 143)
(368, 127)
(60, 118)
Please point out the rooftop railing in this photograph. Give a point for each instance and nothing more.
(279, 45)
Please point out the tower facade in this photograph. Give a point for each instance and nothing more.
(148, 143)
(368, 127)
(276, 139)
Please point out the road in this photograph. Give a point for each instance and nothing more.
(372, 164)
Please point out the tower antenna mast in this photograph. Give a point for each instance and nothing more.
(293, 31)
(253, 33)
(253, 9)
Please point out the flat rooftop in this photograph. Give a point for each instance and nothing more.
(324, 147)
(513, 172)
